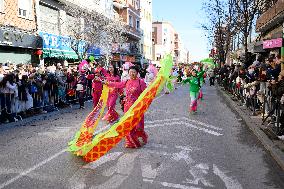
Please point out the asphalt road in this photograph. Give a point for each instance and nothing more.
(212, 149)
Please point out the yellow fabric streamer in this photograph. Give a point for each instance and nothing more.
(103, 142)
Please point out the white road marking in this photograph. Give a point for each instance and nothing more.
(57, 132)
(156, 145)
(203, 124)
(186, 119)
(199, 172)
(125, 163)
(183, 155)
(148, 172)
(29, 170)
(123, 168)
(170, 185)
(187, 148)
(108, 157)
(24, 173)
(230, 183)
(77, 182)
(186, 125)
(156, 152)
(115, 182)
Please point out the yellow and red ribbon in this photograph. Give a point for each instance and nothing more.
(93, 147)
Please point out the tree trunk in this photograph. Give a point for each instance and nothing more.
(246, 35)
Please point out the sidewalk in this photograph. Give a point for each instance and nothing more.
(271, 144)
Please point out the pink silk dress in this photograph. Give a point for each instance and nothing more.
(97, 87)
(137, 137)
(111, 114)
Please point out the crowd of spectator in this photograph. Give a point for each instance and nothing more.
(26, 90)
(259, 86)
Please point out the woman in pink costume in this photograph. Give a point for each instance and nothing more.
(97, 87)
(112, 76)
(134, 87)
(99, 74)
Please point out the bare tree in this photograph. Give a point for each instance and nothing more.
(221, 26)
(88, 28)
(230, 18)
(247, 11)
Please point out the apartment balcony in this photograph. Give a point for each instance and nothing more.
(133, 32)
(271, 17)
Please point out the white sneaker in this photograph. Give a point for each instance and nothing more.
(281, 137)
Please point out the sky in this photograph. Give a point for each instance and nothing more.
(186, 17)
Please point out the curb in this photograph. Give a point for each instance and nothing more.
(274, 151)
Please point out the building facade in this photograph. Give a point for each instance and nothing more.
(270, 27)
(146, 28)
(165, 41)
(183, 54)
(129, 12)
(19, 42)
(55, 26)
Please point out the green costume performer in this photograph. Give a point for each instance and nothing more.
(194, 83)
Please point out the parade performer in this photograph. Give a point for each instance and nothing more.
(112, 76)
(84, 65)
(125, 69)
(81, 86)
(151, 74)
(99, 74)
(91, 146)
(201, 76)
(194, 88)
(133, 88)
(97, 87)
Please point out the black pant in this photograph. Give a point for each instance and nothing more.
(6, 107)
(212, 81)
(82, 98)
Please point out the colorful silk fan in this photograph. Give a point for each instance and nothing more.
(93, 147)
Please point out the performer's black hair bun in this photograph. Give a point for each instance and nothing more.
(134, 68)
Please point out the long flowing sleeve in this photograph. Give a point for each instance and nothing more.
(104, 72)
(187, 80)
(200, 74)
(118, 85)
(143, 85)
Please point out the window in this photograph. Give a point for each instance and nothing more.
(2, 5)
(25, 8)
(130, 21)
(137, 6)
(137, 24)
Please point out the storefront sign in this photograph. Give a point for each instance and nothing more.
(273, 43)
(61, 46)
(19, 39)
(94, 51)
(51, 41)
